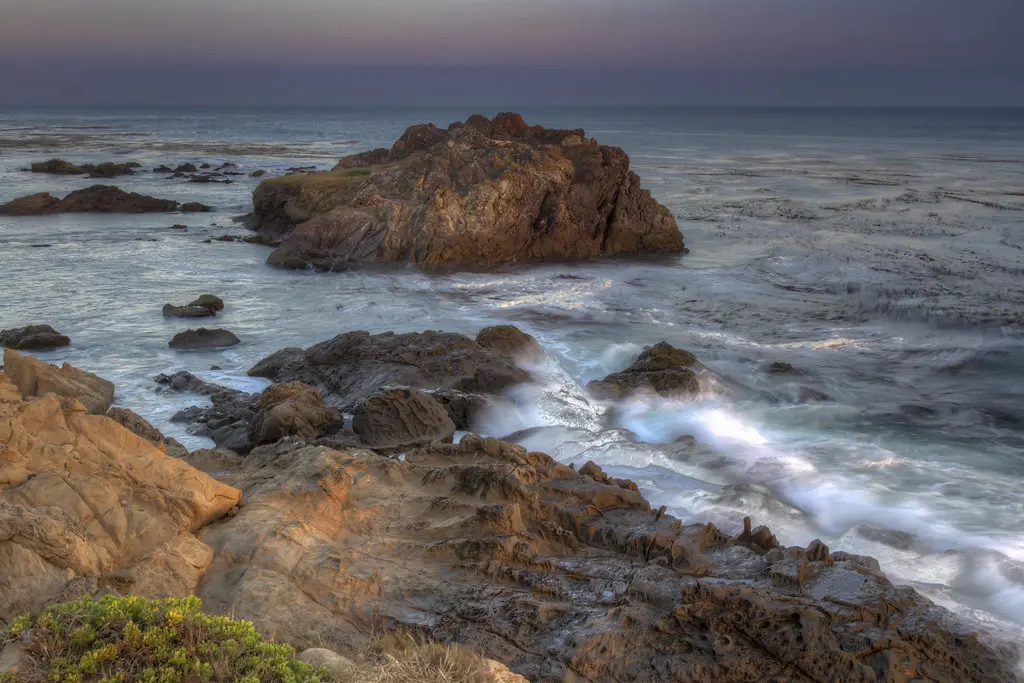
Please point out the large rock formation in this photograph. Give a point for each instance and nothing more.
(33, 377)
(95, 199)
(355, 365)
(85, 504)
(33, 337)
(482, 193)
(562, 575)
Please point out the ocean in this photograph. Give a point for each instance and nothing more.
(880, 252)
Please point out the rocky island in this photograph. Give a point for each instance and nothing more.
(481, 193)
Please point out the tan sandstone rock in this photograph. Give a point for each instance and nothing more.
(83, 497)
(33, 377)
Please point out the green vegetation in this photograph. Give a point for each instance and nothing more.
(117, 639)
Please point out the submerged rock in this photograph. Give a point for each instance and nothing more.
(33, 377)
(107, 169)
(661, 369)
(33, 337)
(95, 199)
(482, 193)
(203, 338)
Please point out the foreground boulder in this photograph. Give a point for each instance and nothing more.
(95, 199)
(139, 426)
(353, 366)
(661, 369)
(400, 418)
(561, 575)
(203, 338)
(33, 377)
(85, 504)
(107, 169)
(33, 337)
(482, 193)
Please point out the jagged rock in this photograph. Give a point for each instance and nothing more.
(95, 199)
(210, 301)
(355, 365)
(258, 174)
(35, 378)
(482, 193)
(661, 369)
(461, 407)
(138, 425)
(186, 168)
(292, 409)
(205, 306)
(163, 169)
(270, 366)
(558, 575)
(179, 226)
(195, 207)
(36, 337)
(226, 421)
(82, 499)
(400, 418)
(186, 381)
(203, 338)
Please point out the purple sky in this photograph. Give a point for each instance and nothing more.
(972, 46)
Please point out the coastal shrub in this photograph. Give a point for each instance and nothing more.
(127, 639)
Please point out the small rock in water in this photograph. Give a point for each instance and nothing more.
(258, 174)
(36, 337)
(203, 338)
(178, 226)
(195, 207)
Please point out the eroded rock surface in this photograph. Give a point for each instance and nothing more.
(107, 169)
(139, 426)
(292, 409)
(33, 377)
(203, 338)
(85, 503)
(36, 337)
(207, 305)
(562, 575)
(399, 418)
(482, 193)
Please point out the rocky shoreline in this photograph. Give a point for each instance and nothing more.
(340, 514)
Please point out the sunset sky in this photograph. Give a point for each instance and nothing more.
(713, 51)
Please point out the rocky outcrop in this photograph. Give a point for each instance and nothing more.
(33, 337)
(401, 418)
(482, 193)
(33, 377)
(139, 426)
(292, 409)
(270, 367)
(661, 369)
(355, 365)
(203, 338)
(561, 575)
(509, 341)
(205, 306)
(86, 504)
(95, 199)
(107, 169)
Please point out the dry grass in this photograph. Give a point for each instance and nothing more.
(341, 179)
(399, 658)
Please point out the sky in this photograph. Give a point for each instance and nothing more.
(769, 52)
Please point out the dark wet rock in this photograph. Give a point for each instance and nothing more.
(209, 179)
(205, 306)
(107, 169)
(95, 199)
(186, 381)
(179, 226)
(163, 169)
(226, 165)
(292, 409)
(355, 365)
(226, 420)
(893, 538)
(205, 165)
(401, 418)
(141, 427)
(461, 406)
(271, 366)
(509, 341)
(479, 194)
(33, 337)
(186, 168)
(203, 338)
(661, 369)
(258, 174)
(195, 207)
